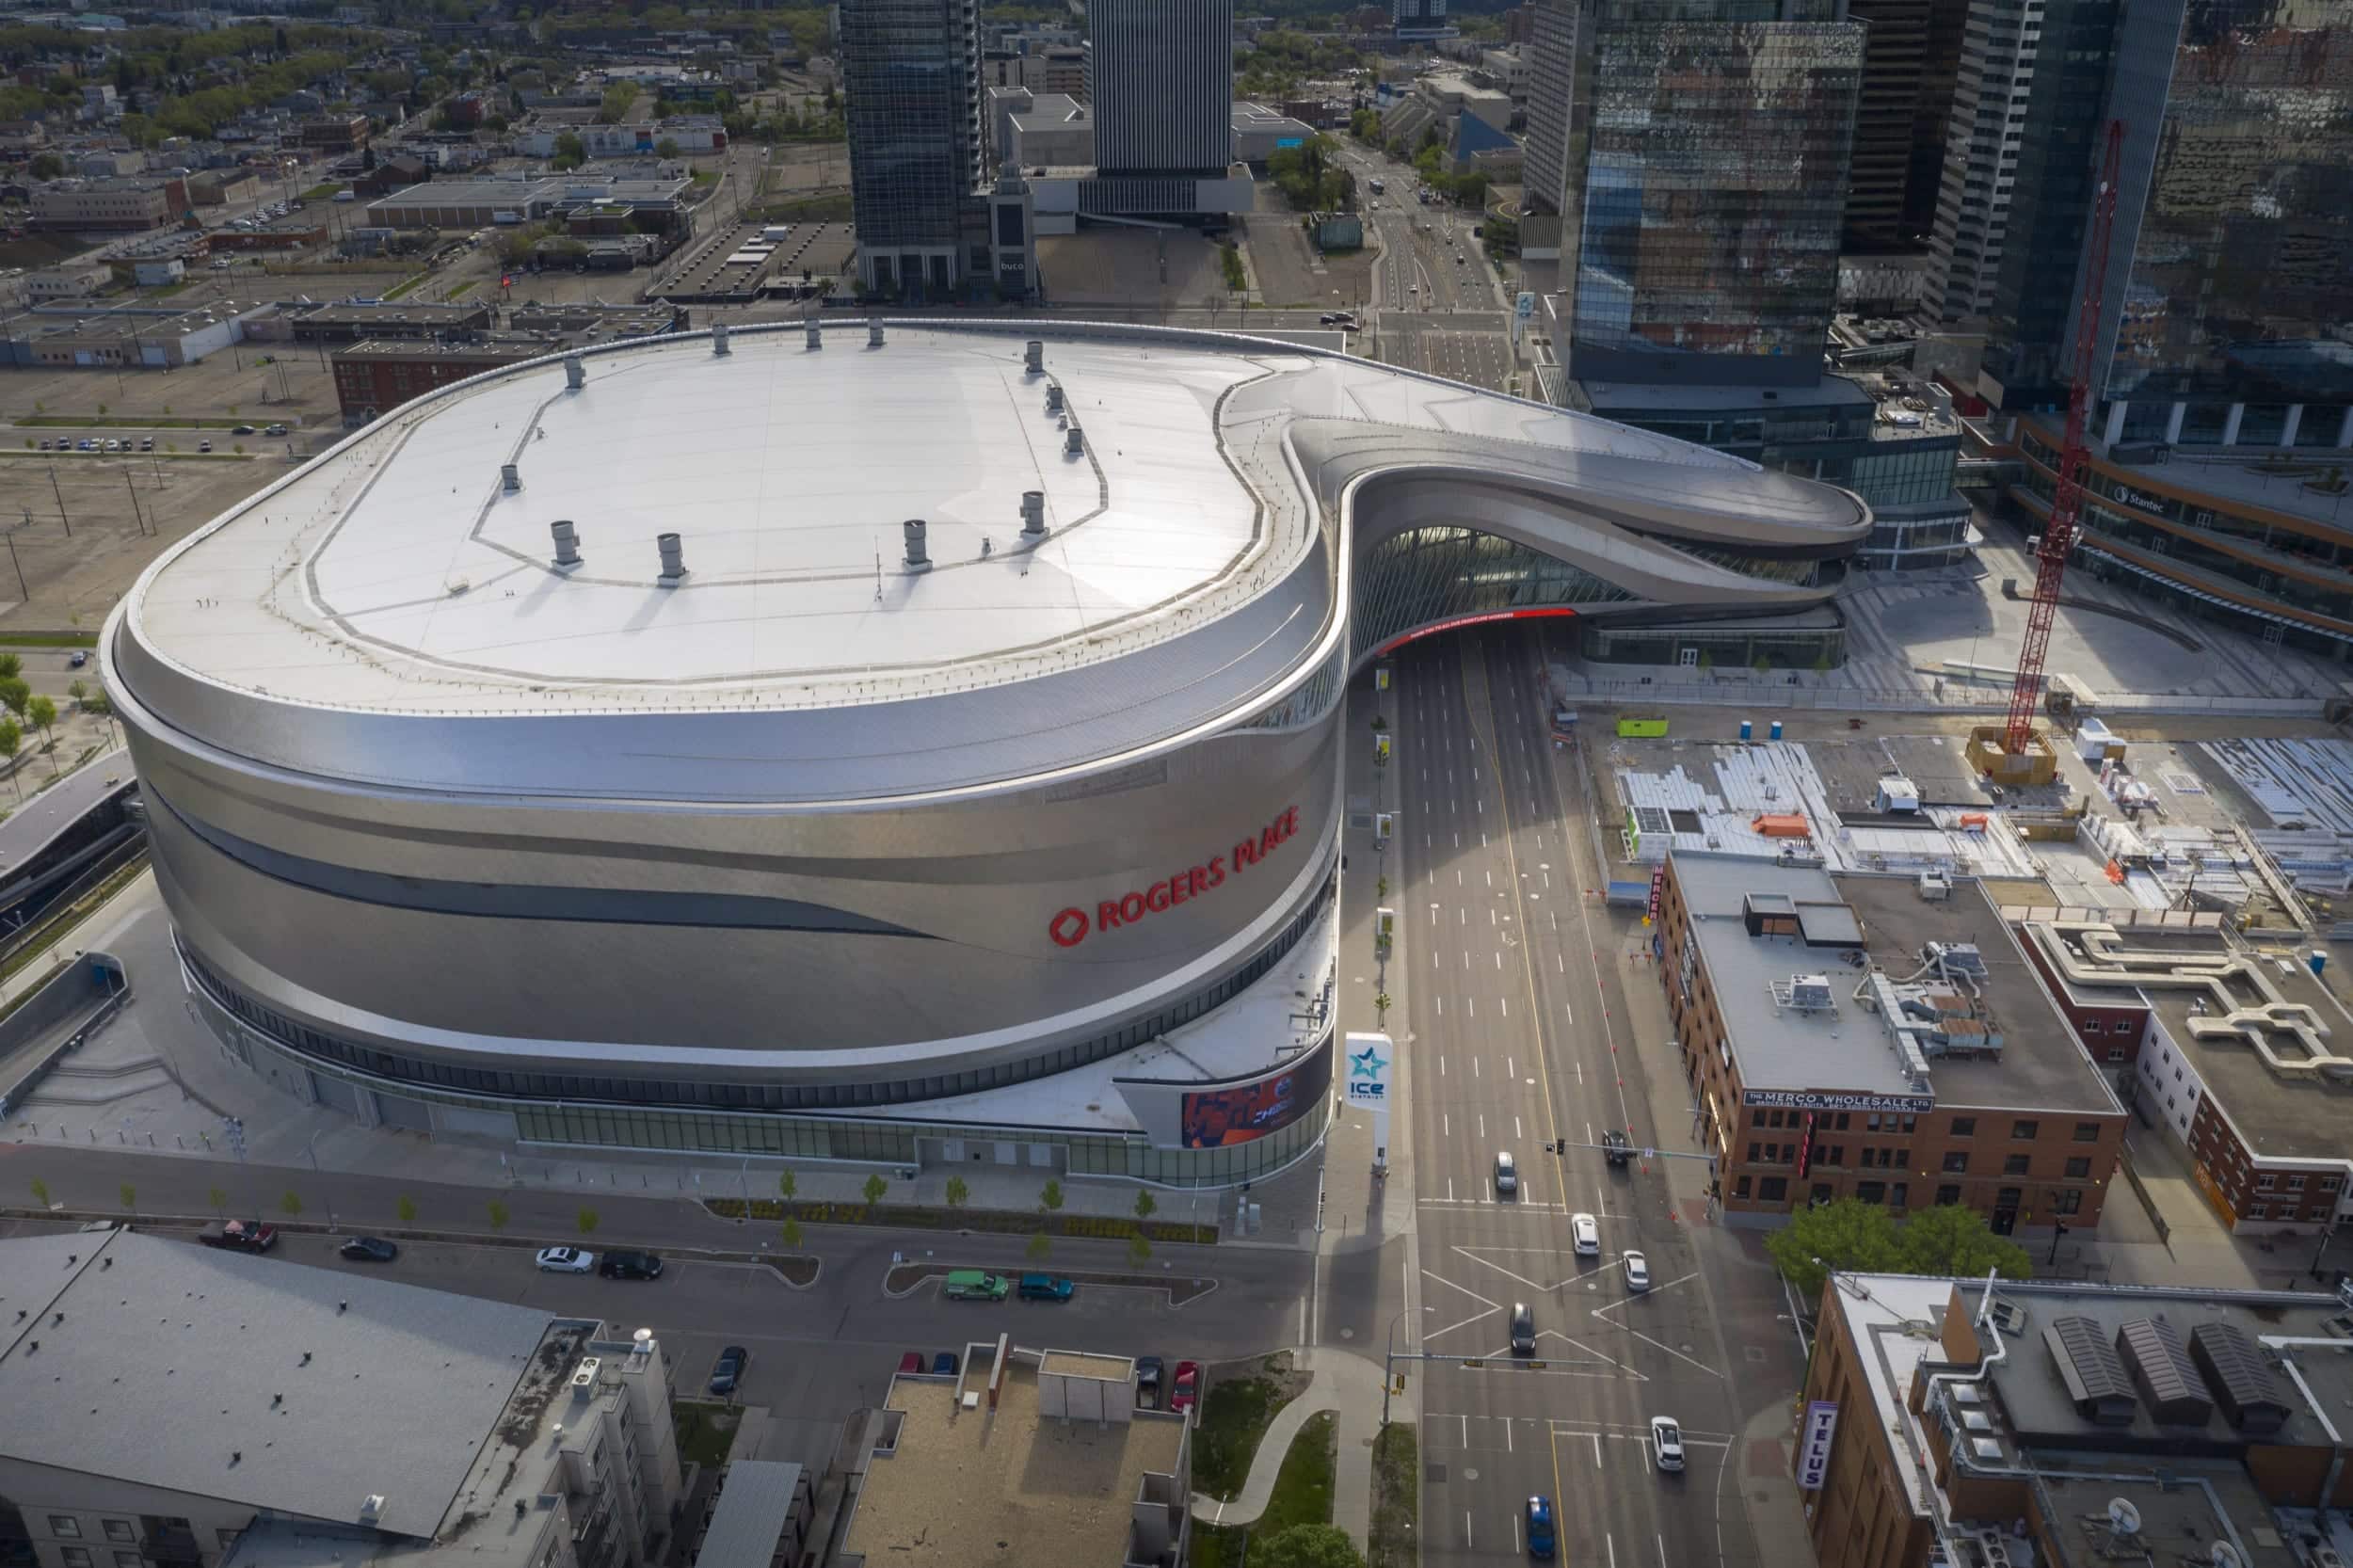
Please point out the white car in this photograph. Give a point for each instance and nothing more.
(1585, 1232)
(566, 1260)
(1637, 1271)
(1666, 1443)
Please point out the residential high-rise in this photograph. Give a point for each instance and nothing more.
(1551, 74)
(1704, 186)
(1983, 136)
(930, 221)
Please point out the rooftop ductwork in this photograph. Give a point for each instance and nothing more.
(1034, 356)
(566, 544)
(873, 334)
(816, 335)
(1074, 443)
(575, 371)
(919, 557)
(510, 478)
(1033, 512)
(718, 338)
(673, 560)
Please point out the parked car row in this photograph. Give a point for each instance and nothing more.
(612, 1265)
(99, 443)
(979, 1284)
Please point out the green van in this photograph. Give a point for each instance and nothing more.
(973, 1284)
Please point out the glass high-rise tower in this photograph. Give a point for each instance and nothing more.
(911, 75)
(1704, 189)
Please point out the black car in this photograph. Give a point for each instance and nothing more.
(245, 430)
(728, 1369)
(1149, 1382)
(1614, 1147)
(630, 1265)
(369, 1249)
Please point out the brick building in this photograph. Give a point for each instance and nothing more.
(2240, 1054)
(2075, 1426)
(97, 205)
(373, 379)
(335, 133)
(1851, 1037)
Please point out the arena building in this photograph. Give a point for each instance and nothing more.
(882, 740)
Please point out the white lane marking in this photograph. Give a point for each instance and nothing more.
(1508, 1446)
(1441, 1066)
(1441, 1007)
(1596, 1451)
(1482, 1127)
(1515, 1128)
(1498, 963)
(1475, 1066)
(1470, 1006)
(1506, 1005)
(1511, 1067)
(1570, 1011)
(1446, 1124)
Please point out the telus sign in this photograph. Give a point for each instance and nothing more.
(1073, 925)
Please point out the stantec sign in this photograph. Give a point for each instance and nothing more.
(1071, 926)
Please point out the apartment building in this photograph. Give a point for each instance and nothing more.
(126, 204)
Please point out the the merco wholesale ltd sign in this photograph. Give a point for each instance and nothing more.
(1072, 926)
(1807, 1099)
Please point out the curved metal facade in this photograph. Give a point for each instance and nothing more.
(749, 906)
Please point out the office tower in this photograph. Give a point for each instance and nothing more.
(1895, 57)
(911, 73)
(1983, 137)
(1940, 75)
(1160, 81)
(1551, 72)
(1704, 186)
(1425, 18)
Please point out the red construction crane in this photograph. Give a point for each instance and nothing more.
(2067, 499)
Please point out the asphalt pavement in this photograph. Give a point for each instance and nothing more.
(1511, 1024)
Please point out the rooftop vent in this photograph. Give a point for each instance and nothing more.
(584, 1377)
(1054, 399)
(1033, 512)
(2093, 1375)
(510, 478)
(372, 1508)
(1034, 356)
(816, 335)
(673, 559)
(918, 556)
(2237, 1378)
(1955, 959)
(566, 544)
(2161, 1370)
(575, 371)
(718, 338)
(1074, 441)
(873, 334)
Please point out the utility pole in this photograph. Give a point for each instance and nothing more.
(23, 591)
(136, 514)
(59, 490)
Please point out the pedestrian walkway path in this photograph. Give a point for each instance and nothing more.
(1350, 1386)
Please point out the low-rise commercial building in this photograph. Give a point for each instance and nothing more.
(395, 318)
(170, 1403)
(1052, 1453)
(474, 203)
(2241, 1055)
(127, 336)
(2072, 1426)
(102, 204)
(1854, 1037)
(338, 133)
(373, 379)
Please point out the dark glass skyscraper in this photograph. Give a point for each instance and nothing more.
(1704, 189)
(911, 73)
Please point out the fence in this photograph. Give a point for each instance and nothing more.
(1741, 692)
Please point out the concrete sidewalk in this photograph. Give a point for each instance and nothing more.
(1340, 1381)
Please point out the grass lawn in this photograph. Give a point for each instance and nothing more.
(1233, 1419)
(407, 286)
(1395, 1498)
(1302, 1495)
(49, 639)
(704, 1430)
(323, 192)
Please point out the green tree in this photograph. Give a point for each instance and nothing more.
(667, 147)
(874, 1188)
(16, 696)
(498, 1215)
(12, 741)
(41, 1192)
(130, 1196)
(291, 1204)
(790, 1232)
(1146, 1208)
(219, 1200)
(1955, 1241)
(569, 151)
(43, 713)
(586, 1220)
(1049, 1196)
(99, 703)
(1138, 1249)
(406, 1207)
(788, 1184)
(958, 1191)
(1040, 1244)
(1845, 1235)
(11, 667)
(48, 166)
(77, 690)
(1306, 1547)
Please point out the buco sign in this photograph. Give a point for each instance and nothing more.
(1073, 925)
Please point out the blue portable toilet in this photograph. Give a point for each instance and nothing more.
(1747, 729)
(1775, 732)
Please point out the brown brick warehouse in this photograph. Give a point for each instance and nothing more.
(1850, 1036)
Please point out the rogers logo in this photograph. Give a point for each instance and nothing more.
(1072, 925)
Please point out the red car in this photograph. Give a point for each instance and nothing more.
(1186, 1390)
(911, 1363)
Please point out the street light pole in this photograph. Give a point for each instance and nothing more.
(1389, 1365)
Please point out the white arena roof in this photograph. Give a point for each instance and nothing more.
(392, 575)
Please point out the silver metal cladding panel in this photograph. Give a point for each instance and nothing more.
(335, 908)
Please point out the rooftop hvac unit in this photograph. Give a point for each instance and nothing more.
(2327, 1557)
(1807, 993)
(1033, 512)
(584, 1377)
(673, 560)
(1992, 1548)
(918, 556)
(1034, 356)
(372, 1508)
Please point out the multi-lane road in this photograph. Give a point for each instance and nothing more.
(1513, 1038)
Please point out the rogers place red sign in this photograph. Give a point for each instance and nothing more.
(1073, 925)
